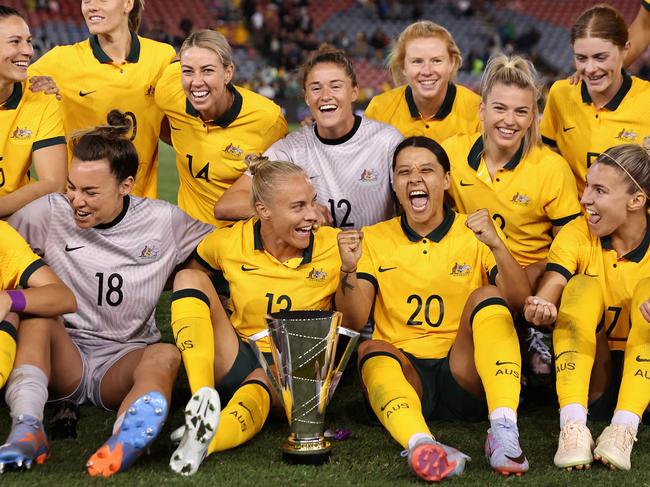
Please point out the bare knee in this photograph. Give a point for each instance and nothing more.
(481, 294)
(192, 279)
(162, 356)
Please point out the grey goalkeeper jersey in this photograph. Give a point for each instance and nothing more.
(351, 175)
(117, 271)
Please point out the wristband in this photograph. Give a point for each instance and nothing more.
(18, 301)
(349, 272)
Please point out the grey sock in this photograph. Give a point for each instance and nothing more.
(27, 391)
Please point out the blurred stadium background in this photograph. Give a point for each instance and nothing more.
(271, 38)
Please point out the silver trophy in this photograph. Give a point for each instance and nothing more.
(309, 356)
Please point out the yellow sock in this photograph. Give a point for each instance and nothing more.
(393, 398)
(634, 394)
(194, 336)
(496, 353)
(243, 417)
(574, 338)
(7, 350)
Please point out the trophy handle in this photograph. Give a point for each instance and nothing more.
(345, 356)
(252, 340)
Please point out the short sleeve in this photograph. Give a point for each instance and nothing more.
(277, 131)
(365, 266)
(564, 255)
(564, 204)
(32, 222)
(50, 130)
(187, 232)
(207, 252)
(548, 125)
(17, 260)
(488, 262)
(279, 151)
(371, 109)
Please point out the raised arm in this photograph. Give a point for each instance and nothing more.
(235, 203)
(354, 297)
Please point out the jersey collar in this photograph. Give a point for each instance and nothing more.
(16, 95)
(443, 111)
(118, 218)
(229, 115)
(637, 254)
(102, 57)
(344, 138)
(475, 153)
(257, 243)
(614, 103)
(437, 234)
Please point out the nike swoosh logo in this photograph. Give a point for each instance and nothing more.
(70, 249)
(499, 363)
(173, 128)
(520, 459)
(86, 93)
(639, 359)
(566, 129)
(314, 177)
(384, 269)
(566, 351)
(394, 399)
(250, 413)
(248, 269)
(462, 183)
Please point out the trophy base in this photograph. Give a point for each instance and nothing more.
(307, 452)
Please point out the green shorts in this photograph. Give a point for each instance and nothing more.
(244, 364)
(602, 409)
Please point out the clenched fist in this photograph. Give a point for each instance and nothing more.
(350, 249)
(482, 225)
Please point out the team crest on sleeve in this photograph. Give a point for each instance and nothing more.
(628, 136)
(149, 251)
(369, 176)
(234, 151)
(520, 199)
(21, 133)
(317, 275)
(460, 270)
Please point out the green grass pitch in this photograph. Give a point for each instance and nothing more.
(368, 457)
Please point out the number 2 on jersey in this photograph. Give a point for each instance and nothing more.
(282, 300)
(413, 319)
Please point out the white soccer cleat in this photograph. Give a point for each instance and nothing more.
(614, 446)
(574, 447)
(201, 421)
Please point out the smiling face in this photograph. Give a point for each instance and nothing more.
(329, 94)
(420, 182)
(205, 80)
(291, 213)
(607, 199)
(106, 16)
(94, 193)
(427, 68)
(16, 49)
(599, 63)
(507, 113)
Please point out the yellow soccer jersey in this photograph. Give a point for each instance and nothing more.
(457, 115)
(526, 198)
(581, 132)
(28, 122)
(92, 85)
(422, 283)
(260, 284)
(576, 251)
(17, 261)
(210, 156)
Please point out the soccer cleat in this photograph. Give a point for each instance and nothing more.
(64, 423)
(536, 354)
(201, 421)
(26, 444)
(614, 446)
(176, 436)
(432, 461)
(574, 447)
(142, 423)
(502, 448)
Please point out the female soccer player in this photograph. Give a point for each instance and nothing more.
(608, 107)
(597, 274)
(527, 188)
(117, 252)
(274, 262)
(114, 69)
(424, 63)
(347, 157)
(31, 127)
(443, 341)
(214, 124)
